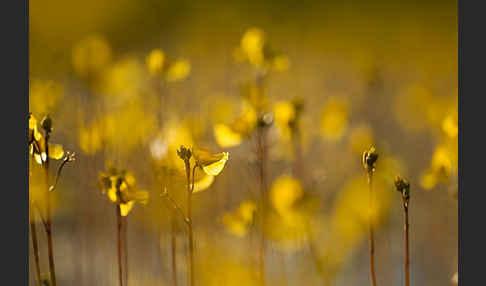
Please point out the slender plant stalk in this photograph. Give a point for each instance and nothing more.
(119, 244)
(407, 255)
(173, 241)
(50, 247)
(262, 182)
(33, 234)
(125, 247)
(372, 239)
(190, 189)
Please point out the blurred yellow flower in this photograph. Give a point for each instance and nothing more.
(233, 134)
(285, 191)
(123, 80)
(334, 118)
(255, 49)
(252, 44)
(91, 55)
(449, 126)
(90, 138)
(211, 164)
(44, 96)
(123, 128)
(281, 63)
(34, 133)
(155, 61)
(443, 165)
(178, 70)
(225, 136)
(239, 221)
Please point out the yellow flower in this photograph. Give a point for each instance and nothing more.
(37, 144)
(239, 221)
(369, 159)
(211, 164)
(178, 70)
(449, 126)
(34, 133)
(225, 136)
(119, 186)
(284, 193)
(44, 95)
(252, 44)
(201, 184)
(334, 118)
(91, 55)
(155, 61)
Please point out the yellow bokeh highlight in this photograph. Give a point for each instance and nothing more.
(178, 70)
(284, 192)
(334, 118)
(44, 96)
(155, 62)
(225, 136)
(252, 44)
(91, 55)
(239, 221)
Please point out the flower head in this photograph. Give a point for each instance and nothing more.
(37, 142)
(211, 164)
(47, 124)
(155, 61)
(119, 185)
(184, 153)
(369, 159)
(403, 187)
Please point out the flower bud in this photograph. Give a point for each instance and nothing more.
(369, 159)
(47, 124)
(403, 187)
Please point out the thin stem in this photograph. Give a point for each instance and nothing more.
(50, 247)
(119, 247)
(190, 189)
(175, 206)
(33, 234)
(58, 173)
(372, 239)
(173, 249)
(43, 220)
(262, 182)
(125, 247)
(407, 255)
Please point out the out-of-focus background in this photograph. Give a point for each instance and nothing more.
(129, 81)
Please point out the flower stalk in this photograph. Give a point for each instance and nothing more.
(403, 187)
(33, 233)
(119, 244)
(47, 126)
(369, 160)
